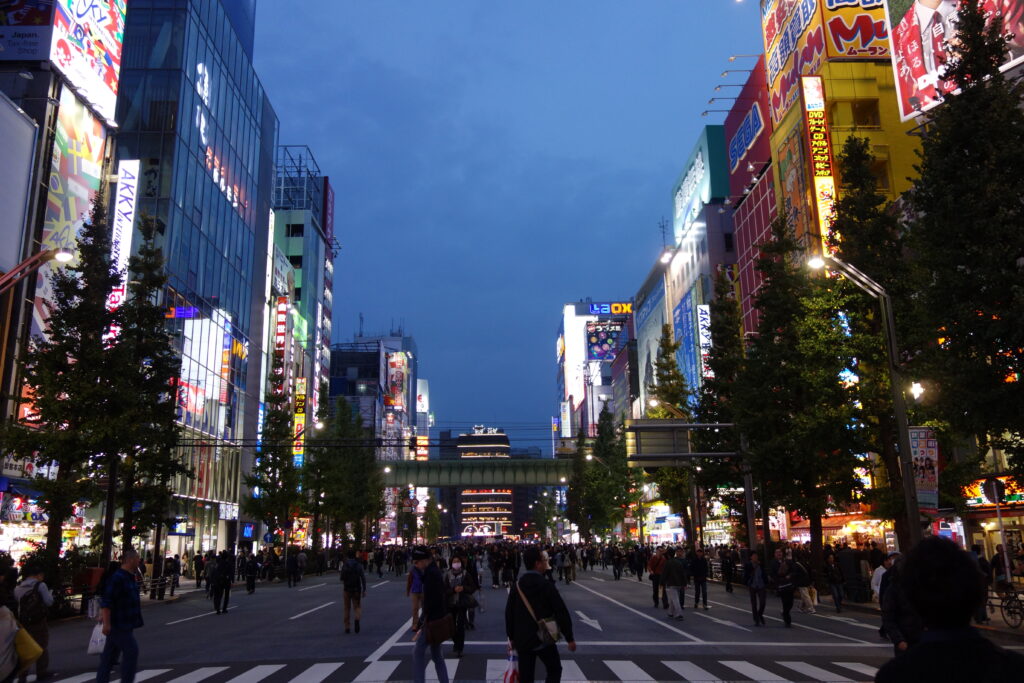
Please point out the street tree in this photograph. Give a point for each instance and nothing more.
(576, 497)
(64, 419)
(356, 492)
(431, 522)
(967, 244)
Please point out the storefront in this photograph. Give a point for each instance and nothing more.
(23, 524)
(855, 529)
(981, 525)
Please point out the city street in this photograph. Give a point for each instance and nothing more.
(282, 634)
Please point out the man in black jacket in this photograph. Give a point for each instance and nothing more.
(944, 586)
(434, 608)
(522, 628)
(700, 568)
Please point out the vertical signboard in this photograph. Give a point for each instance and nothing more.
(328, 209)
(748, 131)
(125, 200)
(299, 443)
(924, 450)
(921, 36)
(86, 48)
(820, 155)
(25, 29)
(566, 417)
(704, 339)
(397, 379)
(684, 323)
(281, 326)
(794, 44)
(18, 150)
(422, 396)
(75, 174)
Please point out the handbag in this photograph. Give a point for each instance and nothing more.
(547, 629)
(97, 641)
(27, 648)
(440, 630)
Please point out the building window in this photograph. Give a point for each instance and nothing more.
(865, 114)
(295, 229)
(880, 169)
(296, 260)
(729, 245)
(298, 293)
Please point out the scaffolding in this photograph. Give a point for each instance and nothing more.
(298, 184)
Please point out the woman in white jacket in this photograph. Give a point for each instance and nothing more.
(8, 655)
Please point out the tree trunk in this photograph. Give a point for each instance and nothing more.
(59, 510)
(110, 512)
(891, 461)
(128, 513)
(765, 525)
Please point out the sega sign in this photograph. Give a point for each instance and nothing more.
(617, 308)
(739, 144)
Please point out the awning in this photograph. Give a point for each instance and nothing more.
(833, 522)
(19, 489)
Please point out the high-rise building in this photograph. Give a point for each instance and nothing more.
(484, 511)
(195, 120)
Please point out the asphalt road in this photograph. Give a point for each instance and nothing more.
(296, 634)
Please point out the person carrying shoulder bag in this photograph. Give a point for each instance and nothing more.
(536, 618)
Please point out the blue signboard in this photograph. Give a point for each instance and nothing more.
(684, 324)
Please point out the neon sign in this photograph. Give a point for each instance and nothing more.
(618, 308)
(822, 168)
(281, 326)
(217, 168)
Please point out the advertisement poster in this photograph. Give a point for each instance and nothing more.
(25, 27)
(684, 328)
(793, 182)
(921, 33)
(650, 316)
(604, 339)
(747, 131)
(924, 449)
(86, 48)
(394, 396)
(74, 177)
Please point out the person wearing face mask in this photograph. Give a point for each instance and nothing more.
(460, 585)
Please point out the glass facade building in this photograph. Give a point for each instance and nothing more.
(193, 112)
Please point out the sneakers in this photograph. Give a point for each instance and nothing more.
(357, 626)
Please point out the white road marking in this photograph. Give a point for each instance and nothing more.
(81, 678)
(144, 675)
(449, 664)
(309, 588)
(723, 622)
(754, 673)
(596, 579)
(257, 673)
(815, 673)
(627, 670)
(848, 620)
(798, 625)
(571, 672)
(645, 616)
(387, 645)
(377, 671)
(691, 672)
(317, 672)
(865, 669)
(198, 674)
(593, 623)
(310, 611)
(687, 643)
(379, 584)
(204, 614)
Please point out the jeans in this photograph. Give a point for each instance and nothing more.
(757, 600)
(786, 595)
(656, 582)
(119, 641)
(837, 594)
(700, 587)
(528, 664)
(419, 659)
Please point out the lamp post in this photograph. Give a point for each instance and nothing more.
(876, 291)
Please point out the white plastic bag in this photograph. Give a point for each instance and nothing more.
(97, 641)
(512, 669)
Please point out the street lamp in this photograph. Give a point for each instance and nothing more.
(876, 291)
(32, 263)
(655, 403)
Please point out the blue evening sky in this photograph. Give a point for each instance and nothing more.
(492, 161)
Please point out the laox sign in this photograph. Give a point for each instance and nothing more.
(618, 308)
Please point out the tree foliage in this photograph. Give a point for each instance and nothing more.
(356, 493)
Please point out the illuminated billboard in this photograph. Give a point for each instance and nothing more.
(86, 48)
(800, 34)
(77, 168)
(924, 451)
(125, 199)
(422, 396)
(650, 316)
(747, 131)
(820, 150)
(25, 29)
(921, 35)
(397, 380)
(604, 339)
(704, 178)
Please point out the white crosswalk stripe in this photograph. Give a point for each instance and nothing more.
(572, 673)
(754, 672)
(627, 670)
(865, 669)
(144, 675)
(257, 673)
(691, 672)
(451, 665)
(380, 670)
(816, 673)
(198, 674)
(317, 672)
(81, 678)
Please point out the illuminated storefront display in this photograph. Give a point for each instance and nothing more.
(820, 151)
(86, 48)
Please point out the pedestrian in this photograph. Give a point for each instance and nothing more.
(8, 653)
(802, 581)
(176, 571)
(757, 584)
(122, 614)
(534, 600)
(673, 576)
(292, 568)
(301, 560)
(986, 570)
(252, 570)
(943, 585)
(460, 585)
(700, 568)
(654, 567)
(34, 601)
(353, 581)
(780, 576)
(899, 616)
(222, 581)
(834, 577)
(414, 590)
(197, 567)
(434, 609)
(728, 563)
(209, 572)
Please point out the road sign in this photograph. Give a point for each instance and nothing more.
(268, 537)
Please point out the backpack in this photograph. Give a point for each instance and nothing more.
(350, 578)
(31, 608)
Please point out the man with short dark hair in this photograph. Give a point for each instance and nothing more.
(122, 614)
(34, 600)
(531, 599)
(700, 568)
(353, 581)
(944, 586)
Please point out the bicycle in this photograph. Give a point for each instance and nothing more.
(1010, 605)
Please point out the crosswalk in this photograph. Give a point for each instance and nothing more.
(701, 669)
